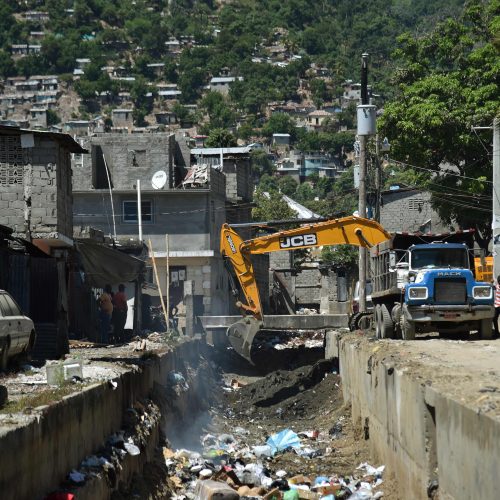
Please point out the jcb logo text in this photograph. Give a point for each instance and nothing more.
(301, 240)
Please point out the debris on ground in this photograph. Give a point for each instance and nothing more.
(281, 340)
(285, 436)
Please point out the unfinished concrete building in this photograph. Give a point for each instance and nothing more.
(36, 204)
(186, 204)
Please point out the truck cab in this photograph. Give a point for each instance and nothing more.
(442, 293)
(426, 283)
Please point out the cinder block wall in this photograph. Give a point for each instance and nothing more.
(35, 187)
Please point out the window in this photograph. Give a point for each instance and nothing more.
(14, 308)
(130, 211)
(8, 306)
(416, 204)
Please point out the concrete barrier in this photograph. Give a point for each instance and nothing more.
(425, 436)
(38, 450)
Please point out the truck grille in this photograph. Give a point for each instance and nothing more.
(450, 291)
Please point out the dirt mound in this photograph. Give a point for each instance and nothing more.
(282, 386)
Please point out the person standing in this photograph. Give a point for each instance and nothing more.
(497, 306)
(105, 313)
(120, 308)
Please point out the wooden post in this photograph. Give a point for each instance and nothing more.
(157, 280)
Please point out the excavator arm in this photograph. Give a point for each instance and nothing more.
(344, 231)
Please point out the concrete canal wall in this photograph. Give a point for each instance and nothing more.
(39, 449)
(421, 422)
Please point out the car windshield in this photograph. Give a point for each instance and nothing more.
(429, 258)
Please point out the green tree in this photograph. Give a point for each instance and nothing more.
(220, 138)
(7, 66)
(272, 207)
(268, 183)
(280, 123)
(287, 185)
(52, 117)
(218, 111)
(341, 257)
(448, 82)
(261, 164)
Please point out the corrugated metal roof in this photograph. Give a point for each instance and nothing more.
(64, 139)
(217, 151)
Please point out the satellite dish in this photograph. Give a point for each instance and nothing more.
(159, 179)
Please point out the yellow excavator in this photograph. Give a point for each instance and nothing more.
(344, 231)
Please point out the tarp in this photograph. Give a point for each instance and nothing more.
(103, 265)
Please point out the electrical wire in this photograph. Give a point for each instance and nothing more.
(437, 172)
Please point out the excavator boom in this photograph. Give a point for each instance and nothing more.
(344, 231)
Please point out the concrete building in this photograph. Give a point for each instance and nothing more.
(316, 118)
(281, 140)
(36, 204)
(191, 214)
(300, 165)
(123, 118)
(409, 209)
(38, 117)
(222, 83)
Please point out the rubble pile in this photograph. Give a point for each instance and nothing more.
(230, 467)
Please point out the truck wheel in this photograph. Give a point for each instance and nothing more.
(387, 327)
(396, 320)
(378, 321)
(4, 355)
(407, 328)
(486, 329)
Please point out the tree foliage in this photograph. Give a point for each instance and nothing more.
(448, 82)
(272, 207)
(220, 138)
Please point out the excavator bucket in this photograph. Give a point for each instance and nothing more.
(241, 335)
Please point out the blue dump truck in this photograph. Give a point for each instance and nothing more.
(426, 283)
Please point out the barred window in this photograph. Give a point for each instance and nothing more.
(415, 204)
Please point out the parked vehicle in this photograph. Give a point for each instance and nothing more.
(17, 331)
(426, 283)
(355, 297)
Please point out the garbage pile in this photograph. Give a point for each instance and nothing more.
(138, 423)
(291, 340)
(230, 467)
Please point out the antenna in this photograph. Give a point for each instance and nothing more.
(159, 179)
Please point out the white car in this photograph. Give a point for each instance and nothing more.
(17, 332)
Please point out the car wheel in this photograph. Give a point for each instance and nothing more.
(4, 355)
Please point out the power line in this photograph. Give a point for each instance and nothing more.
(438, 172)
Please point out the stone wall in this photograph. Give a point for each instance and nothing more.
(409, 210)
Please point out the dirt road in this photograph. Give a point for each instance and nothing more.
(469, 371)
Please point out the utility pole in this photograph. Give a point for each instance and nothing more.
(366, 118)
(495, 223)
(363, 140)
(496, 197)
